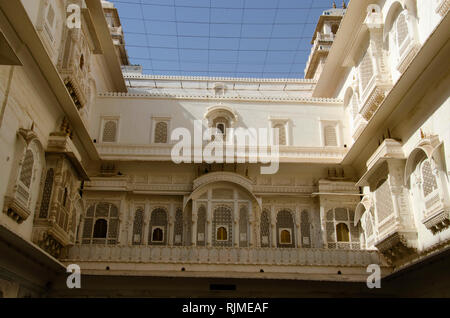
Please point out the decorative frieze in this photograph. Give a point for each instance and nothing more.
(396, 247)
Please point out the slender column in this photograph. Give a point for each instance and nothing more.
(273, 226)
(298, 242)
(236, 233)
(323, 224)
(194, 223)
(147, 215)
(131, 213)
(251, 226)
(123, 224)
(209, 217)
(171, 224)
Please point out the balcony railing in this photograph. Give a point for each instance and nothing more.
(216, 255)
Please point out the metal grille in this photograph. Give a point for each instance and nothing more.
(223, 217)
(27, 169)
(265, 229)
(429, 180)
(243, 227)
(285, 220)
(161, 132)
(46, 196)
(110, 131)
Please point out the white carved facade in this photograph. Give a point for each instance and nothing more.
(88, 175)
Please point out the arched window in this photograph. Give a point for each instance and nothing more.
(330, 137)
(265, 229)
(281, 133)
(222, 218)
(285, 222)
(342, 233)
(100, 228)
(158, 219)
(101, 224)
(157, 235)
(340, 230)
(27, 169)
(221, 123)
(161, 132)
(222, 234)
(285, 237)
(109, 131)
(137, 226)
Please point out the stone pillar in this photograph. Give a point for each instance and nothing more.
(257, 217)
(123, 222)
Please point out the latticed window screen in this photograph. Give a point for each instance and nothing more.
(138, 226)
(243, 227)
(354, 104)
(265, 229)
(178, 228)
(285, 221)
(110, 131)
(201, 226)
(366, 70)
(222, 217)
(158, 219)
(161, 132)
(429, 179)
(401, 31)
(305, 227)
(101, 211)
(384, 204)
(27, 168)
(47, 193)
(330, 137)
(281, 134)
(188, 228)
(340, 230)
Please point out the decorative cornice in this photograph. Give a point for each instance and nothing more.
(216, 79)
(313, 100)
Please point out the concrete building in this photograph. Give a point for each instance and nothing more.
(89, 174)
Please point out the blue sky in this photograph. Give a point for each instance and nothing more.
(230, 38)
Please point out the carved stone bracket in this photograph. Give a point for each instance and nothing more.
(15, 209)
(396, 248)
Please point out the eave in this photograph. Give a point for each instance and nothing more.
(109, 52)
